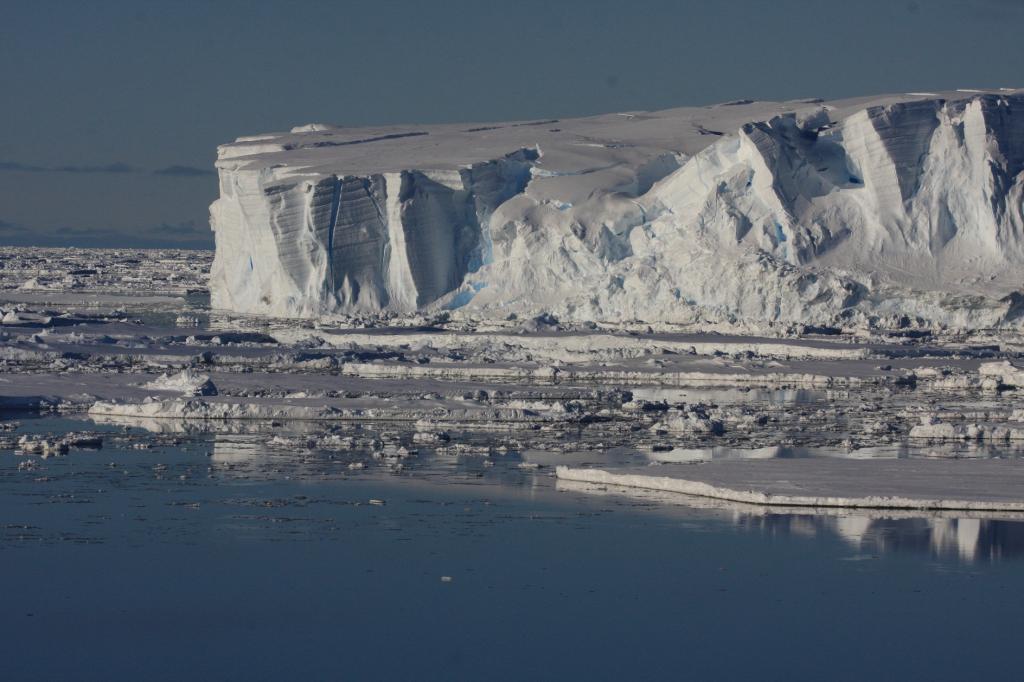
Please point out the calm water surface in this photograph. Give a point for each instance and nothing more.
(217, 558)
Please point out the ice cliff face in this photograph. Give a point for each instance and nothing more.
(884, 210)
(306, 245)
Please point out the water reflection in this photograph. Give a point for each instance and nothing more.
(188, 427)
(969, 539)
(942, 535)
(771, 396)
(309, 451)
(237, 450)
(898, 450)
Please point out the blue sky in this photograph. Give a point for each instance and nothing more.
(112, 110)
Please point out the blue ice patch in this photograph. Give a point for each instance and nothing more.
(463, 297)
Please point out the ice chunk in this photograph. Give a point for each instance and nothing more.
(188, 382)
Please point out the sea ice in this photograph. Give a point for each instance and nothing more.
(188, 382)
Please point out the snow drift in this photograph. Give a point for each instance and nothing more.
(891, 211)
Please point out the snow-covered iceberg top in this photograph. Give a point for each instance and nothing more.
(888, 210)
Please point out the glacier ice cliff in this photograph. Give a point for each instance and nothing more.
(892, 210)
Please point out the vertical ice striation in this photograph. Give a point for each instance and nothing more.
(295, 245)
(890, 208)
(357, 243)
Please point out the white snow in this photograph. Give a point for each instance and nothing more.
(188, 382)
(888, 211)
(990, 485)
(536, 391)
(1003, 372)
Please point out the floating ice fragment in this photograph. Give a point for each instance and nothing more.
(188, 382)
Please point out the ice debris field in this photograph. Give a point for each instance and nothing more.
(810, 304)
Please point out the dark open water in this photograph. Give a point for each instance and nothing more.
(275, 565)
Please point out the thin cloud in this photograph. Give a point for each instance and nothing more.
(80, 231)
(185, 171)
(185, 229)
(116, 168)
(187, 234)
(22, 167)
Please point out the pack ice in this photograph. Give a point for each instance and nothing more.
(887, 211)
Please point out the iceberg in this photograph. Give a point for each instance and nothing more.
(886, 211)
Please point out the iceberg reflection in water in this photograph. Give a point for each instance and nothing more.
(972, 539)
(243, 452)
(947, 535)
(298, 554)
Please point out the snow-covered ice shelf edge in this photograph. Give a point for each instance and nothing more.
(890, 211)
